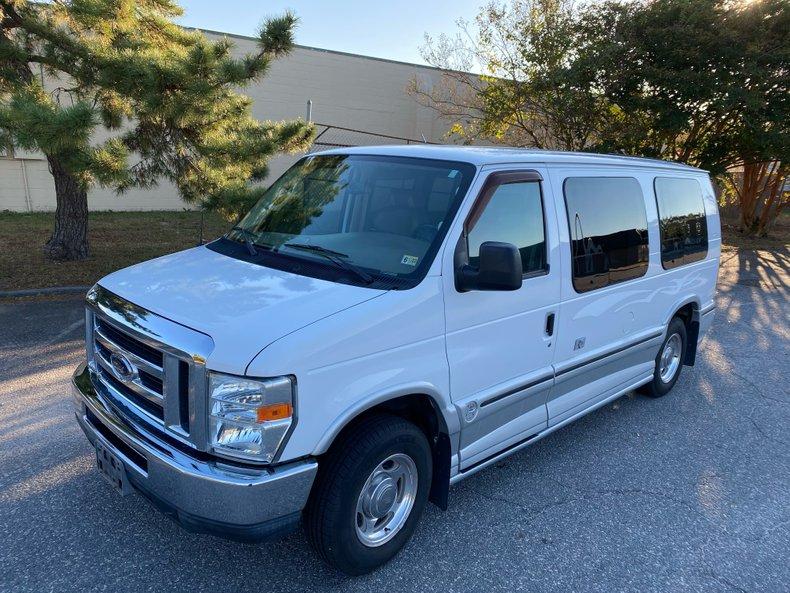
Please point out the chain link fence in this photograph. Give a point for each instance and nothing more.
(329, 136)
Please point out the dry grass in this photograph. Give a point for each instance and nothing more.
(120, 239)
(117, 239)
(778, 239)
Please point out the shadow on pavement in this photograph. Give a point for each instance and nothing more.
(688, 492)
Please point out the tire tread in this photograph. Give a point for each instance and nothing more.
(655, 388)
(326, 496)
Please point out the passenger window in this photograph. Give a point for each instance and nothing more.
(681, 215)
(608, 229)
(514, 214)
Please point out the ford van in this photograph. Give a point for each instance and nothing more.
(385, 322)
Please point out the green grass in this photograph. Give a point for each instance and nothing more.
(117, 240)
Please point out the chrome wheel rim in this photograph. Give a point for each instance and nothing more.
(669, 362)
(386, 500)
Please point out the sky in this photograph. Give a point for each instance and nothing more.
(392, 29)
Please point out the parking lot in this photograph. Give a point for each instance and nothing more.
(686, 493)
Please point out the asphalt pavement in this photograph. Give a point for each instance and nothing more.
(690, 492)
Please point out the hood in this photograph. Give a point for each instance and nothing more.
(244, 307)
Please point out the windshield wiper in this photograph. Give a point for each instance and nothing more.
(335, 257)
(251, 243)
(246, 234)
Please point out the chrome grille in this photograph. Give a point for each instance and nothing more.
(140, 350)
(146, 382)
(148, 366)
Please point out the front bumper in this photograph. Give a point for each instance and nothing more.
(202, 494)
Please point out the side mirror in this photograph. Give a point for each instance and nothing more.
(499, 268)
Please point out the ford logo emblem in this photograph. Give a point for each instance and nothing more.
(122, 366)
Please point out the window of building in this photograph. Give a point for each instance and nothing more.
(681, 215)
(608, 230)
(514, 214)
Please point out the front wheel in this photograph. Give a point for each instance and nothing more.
(370, 492)
(669, 361)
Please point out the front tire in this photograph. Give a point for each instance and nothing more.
(669, 360)
(369, 494)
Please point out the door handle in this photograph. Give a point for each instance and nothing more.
(550, 324)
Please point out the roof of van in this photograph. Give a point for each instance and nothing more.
(488, 155)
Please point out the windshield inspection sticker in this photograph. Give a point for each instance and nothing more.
(409, 260)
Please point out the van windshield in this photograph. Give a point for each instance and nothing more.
(371, 219)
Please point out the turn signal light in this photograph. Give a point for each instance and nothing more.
(274, 412)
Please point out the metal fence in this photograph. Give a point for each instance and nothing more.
(330, 136)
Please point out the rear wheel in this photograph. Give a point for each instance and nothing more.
(370, 492)
(669, 360)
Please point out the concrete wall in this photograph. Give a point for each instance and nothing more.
(346, 90)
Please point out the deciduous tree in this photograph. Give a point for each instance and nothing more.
(704, 82)
(508, 78)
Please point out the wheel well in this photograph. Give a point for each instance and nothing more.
(421, 410)
(689, 314)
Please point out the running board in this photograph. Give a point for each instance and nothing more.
(473, 469)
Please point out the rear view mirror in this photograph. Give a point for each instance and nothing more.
(499, 268)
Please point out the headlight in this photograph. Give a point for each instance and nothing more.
(248, 419)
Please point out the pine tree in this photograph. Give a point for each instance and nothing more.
(162, 98)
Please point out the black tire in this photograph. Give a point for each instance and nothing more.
(331, 514)
(659, 387)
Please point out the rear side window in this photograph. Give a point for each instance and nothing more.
(513, 214)
(681, 216)
(608, 229)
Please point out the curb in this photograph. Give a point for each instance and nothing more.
(44, 291)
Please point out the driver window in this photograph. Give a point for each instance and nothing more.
(514, 214)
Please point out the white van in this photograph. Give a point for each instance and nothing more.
(385, 322)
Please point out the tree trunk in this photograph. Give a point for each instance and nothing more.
(775, 201)
(760, 196)
(69, 240)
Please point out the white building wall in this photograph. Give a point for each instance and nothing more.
(12, 186)
(350, 91)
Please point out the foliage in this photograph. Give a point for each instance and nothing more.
(527, 93)
(118, 94)
(704, 82)
(695, 81)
